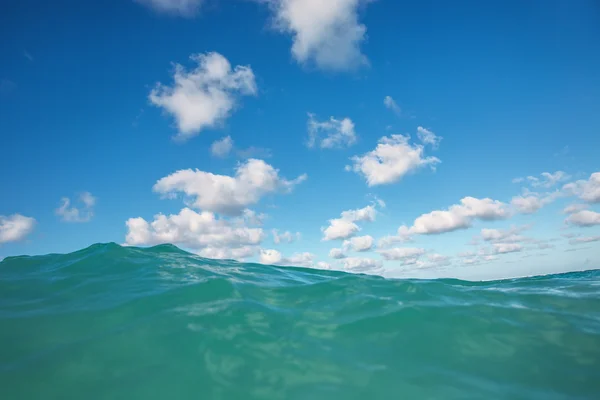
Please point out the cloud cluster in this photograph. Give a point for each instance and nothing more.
(547, 179)
(326, 34)
(361, 264)
(460, 216)
(184, 8)
(15, 227)
(228, 195)
(584, 218)
(584, 239)
(222, 147)
(307, 260)
(392, 159)
(285, 237)
(428, 137)
(205, 96)
(391, 104)
(69, 213)
(345, 226)
(586, 190)
(202, 232)
(358, 243)
(330, 134)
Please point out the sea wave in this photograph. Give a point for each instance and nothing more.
(112, 322)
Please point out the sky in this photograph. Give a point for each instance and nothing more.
(406, 139)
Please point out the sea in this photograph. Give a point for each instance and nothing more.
(113, 322)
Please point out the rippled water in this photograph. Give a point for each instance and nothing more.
(111, 322)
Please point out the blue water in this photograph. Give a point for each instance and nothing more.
(111, 322)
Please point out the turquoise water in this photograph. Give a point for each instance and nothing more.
(111, 322)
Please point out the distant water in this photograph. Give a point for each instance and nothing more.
(111, 322)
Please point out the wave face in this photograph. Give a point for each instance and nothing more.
(111, 322)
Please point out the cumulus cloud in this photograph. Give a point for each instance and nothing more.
(337, 253)
(390, 104)
(202, 232)
(504, 235)
(330, 134)
(183, 8)
(401, 253)
(427, 137)
(586, 190)
(460, 216)
(360, 264)
(326, 34)
(547, 179)
(15, 227)
(502, 248)
(403, 235)
(359, 243)
(345, 226)
(224, 194)
(274, 257)
(70, 213)
(584, 218)
(392, 159)
(584, 239)
(222, 147)
(205, 96)
(527, 205)
(573, 208)
(284, 237)
(530, 202)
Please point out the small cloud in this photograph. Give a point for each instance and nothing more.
(330, 134)
(70, 213)
(182, 8)
(391, 104)
(221, 148)
(27, 55)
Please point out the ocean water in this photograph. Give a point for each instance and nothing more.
(111, 322)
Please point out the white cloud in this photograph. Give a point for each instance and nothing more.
(345, 226)
(285, 237)
(527, 205)
(584, 218)
(401, 253)
(588, 191)
(222, 147)
(547, 179)
(393, 158)
(389, 103)
(330, 134)
(336, 253)
(15, 227)
(585, 239)
(460, 216)
(502, 248)
(403, 235)
(274, 257)
(228, 195)
(325, 33)
(573, 208)
(184, 8)
(428, 137)
(205, 96)
(70, 213)
(202, 232)
(225, 253)
(359, 243)
(359, 264)
(504, 236)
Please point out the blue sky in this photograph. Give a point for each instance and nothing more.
(423, 115)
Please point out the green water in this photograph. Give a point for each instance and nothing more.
(111, 322)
